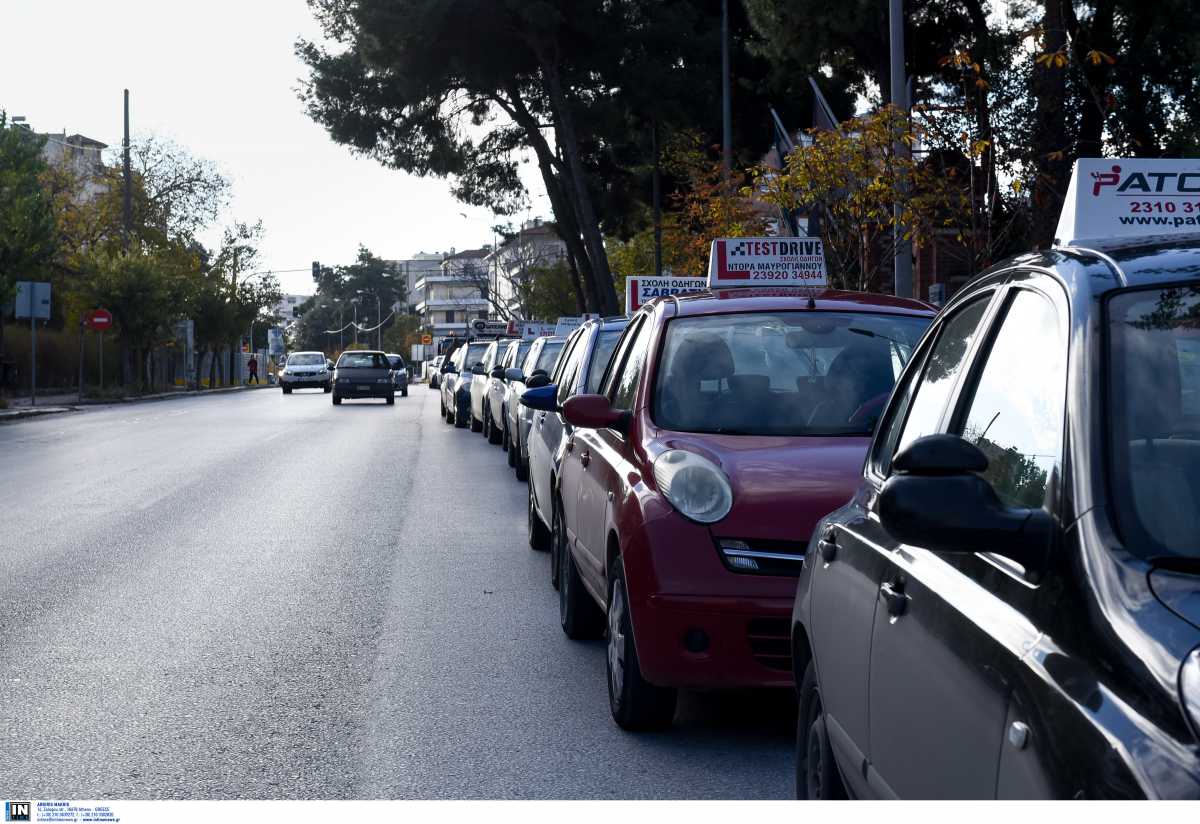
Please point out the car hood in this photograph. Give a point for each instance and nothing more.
(782, 486)
(1178, 592)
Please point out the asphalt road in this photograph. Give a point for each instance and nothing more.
(259, 596)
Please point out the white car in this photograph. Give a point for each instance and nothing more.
(495, 411)
(306, 370)
(456, 383)
(479, 387)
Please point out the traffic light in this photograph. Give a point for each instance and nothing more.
(316, 271)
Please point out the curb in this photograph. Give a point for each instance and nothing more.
(11, 415)
(20, 413)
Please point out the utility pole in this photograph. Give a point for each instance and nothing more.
(656, 196)
(128, 198)
(903, 285)
(726, 105)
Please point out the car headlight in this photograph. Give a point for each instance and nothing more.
(695, 486)
(1189, 688)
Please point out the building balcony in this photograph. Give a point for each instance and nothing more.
(472, 278)
(452, 304)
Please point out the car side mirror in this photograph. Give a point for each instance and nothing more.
(935, 500)
(594, 412)
(514, 375)
(537, 380)
(449, 369)
(498, 372)
(478, 369)
(542, 398)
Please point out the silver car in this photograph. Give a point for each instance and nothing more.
(306, 370)
(540, 362)
(496, 397)
(479, 387)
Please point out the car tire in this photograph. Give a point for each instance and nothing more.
(636, 704)
(391, 400)
(539, 536)
(522, 468)
(287, 390)
(579, 615)
(476, 424)
(404, 392)
(510, 448)
(447, 415)
(558, 544)
(327, 388)
(494, 435)
(337, 401)
(817, 776)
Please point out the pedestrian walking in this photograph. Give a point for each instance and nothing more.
(253, 366)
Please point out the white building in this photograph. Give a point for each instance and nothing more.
(457, 293)
(286, 308)
(414, 269)
(536, 245)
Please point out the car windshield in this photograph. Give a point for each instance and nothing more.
(475, 353)
(396, 361)
(785, 373)
(307, 359)
(1154, 404)
(601, 355)
(547, 357)
(363, 360)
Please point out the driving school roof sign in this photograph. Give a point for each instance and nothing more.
(766, 261)
(641, 289)
(1130, 197)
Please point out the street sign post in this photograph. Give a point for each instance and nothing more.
(641, 289)
(426, 340)
(98, 320)
(33, 302)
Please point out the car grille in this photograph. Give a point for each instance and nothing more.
(761, 557)
(770, 643)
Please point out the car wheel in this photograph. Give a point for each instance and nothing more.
(447, 415)
(460, 418)
(287, 390)
(539, 536)
(404, 392)
(579, 615)
(522, 468)
(476, 424)
(494, 435)
(337, 401)
(817, 777)
(391, 400)
(510, 448)
(636, 704)
(327, 388)
(558, 544)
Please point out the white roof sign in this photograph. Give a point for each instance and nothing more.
(641, 289)
(766, 261)
(1130, 197)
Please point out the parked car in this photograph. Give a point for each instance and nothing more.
(456, 382)
(1013, 592)
(479, 388)
(306, 370)
(399, 374)
(434, 371)
(362, 373)
(580, 366)
(534, 371)
(729, 422)
(495, 417)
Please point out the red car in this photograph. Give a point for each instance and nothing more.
(729, 422)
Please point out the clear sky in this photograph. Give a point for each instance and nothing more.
(220, 78)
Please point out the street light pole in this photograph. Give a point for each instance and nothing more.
(903, 283)
(726, 105)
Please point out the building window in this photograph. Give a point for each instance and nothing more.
(482, 315)
(450, 316)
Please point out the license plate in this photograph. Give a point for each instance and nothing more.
(361, 388)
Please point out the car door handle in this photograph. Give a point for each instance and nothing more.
(894, 597)
(828, 545)
(571, 445)
(585, 457)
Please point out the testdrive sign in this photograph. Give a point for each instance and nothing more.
(1130, 197)
(766, 261)
(640, 290)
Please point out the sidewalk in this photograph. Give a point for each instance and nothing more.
(19, 408)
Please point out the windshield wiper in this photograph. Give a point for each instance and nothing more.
(1187, 564)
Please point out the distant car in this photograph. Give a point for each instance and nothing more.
(305, 370)
(456, 382)
(363, 374)
(399, 374)
(580, 368)
(495, 424)
(534, 370)
(479, 388)
(433, 370)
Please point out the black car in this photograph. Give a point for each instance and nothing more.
(1009, 606)
(363, 374)
(399, 374)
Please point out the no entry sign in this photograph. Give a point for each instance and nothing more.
(98, 320)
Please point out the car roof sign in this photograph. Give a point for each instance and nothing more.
(766, 261)
(1128, 198)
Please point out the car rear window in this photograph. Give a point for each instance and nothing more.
(784, 373)
(363, 360)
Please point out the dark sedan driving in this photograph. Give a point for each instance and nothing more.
(363, 374)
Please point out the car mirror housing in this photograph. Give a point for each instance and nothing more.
(478, 369)
(498, 372)
(448, 369)
(542, 398)
(514, 375)
(935, 500)
(594, 412)
(537, 380)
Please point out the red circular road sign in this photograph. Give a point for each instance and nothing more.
(98, 319)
